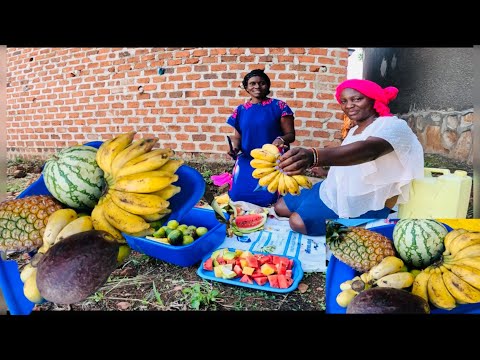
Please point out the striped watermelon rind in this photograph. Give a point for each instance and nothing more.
(74, 178)
(419, 242)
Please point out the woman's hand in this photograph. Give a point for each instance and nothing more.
(233, 153)
(278, 143)
(296, 161)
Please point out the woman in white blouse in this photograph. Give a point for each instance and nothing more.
(369, 173)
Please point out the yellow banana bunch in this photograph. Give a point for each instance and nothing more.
(134, 150)
(450, 236)
(462, 241)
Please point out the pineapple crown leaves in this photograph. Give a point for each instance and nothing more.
(335, 231)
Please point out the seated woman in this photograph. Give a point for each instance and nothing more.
(369, 173)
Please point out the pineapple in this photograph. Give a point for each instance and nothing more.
(23, 221)
(357, 247)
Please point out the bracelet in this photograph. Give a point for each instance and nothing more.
(280, 138)
(315, 158)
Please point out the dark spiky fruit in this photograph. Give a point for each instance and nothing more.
(23, 221)
(357, 247)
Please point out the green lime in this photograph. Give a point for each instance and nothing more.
(201, 231)
(182, 227)
(173, 224)
(175, 237)
(167, 230)
(192, 227)
(187, 240)
(160, 233)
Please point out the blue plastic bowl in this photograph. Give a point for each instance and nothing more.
(185, 255)
(338, 272)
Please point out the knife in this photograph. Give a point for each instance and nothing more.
(231, 147)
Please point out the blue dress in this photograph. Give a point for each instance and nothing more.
(258, 124)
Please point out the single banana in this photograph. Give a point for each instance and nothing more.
(273, 186)
(388, 265)
(27, 271)
(264, 155)
(291, 185)
(438, 293)
(346, 285)
(123, 220)
(419, 286)
(265, 180)
(144, 163)
(111, 148)
(258, 164)
(463, 241)
(303, 181)
(272, 149)
(467, 273)
(471, 251)
(282, 187)
(165, 153)
(145, 182)
(450, 236)
(134, 150)
(468, 261)
(171, 166)
(167, 192)
(56, 222)
(30, 289)
(81, 224)
(100, 222)
(345, 297)
(261, 172)
(139, 204)
(397, 280)
(460, 289)
(157, 216)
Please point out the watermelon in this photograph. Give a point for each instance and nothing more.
(250, 223)
(74, 178)
(419, 242)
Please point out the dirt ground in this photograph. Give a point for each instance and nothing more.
(143, 283)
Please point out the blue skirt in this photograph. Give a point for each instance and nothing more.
(314, 212)
(246, 188)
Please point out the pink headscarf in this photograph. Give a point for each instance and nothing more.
(372, 90)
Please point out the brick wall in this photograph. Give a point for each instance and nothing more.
(58, 97)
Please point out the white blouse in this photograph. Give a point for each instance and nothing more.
(353, 190)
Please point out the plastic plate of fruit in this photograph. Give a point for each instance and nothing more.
(255, 270)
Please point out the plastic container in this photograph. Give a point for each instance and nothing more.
(185, 255)
(297, 275)
(338, 272)
(445, 196)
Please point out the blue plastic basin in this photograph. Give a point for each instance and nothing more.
(338, 272)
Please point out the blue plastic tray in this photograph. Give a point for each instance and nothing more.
(338, 272)
(297, 275)
(185, 255)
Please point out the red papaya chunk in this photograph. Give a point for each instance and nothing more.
(74, 268)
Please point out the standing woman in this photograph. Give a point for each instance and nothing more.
(261, 120)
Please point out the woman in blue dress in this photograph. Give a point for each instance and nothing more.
(261, 120)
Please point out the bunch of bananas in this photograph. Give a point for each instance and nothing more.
(139, 184)
(265, 162)
(455, 278)
(391, 272)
